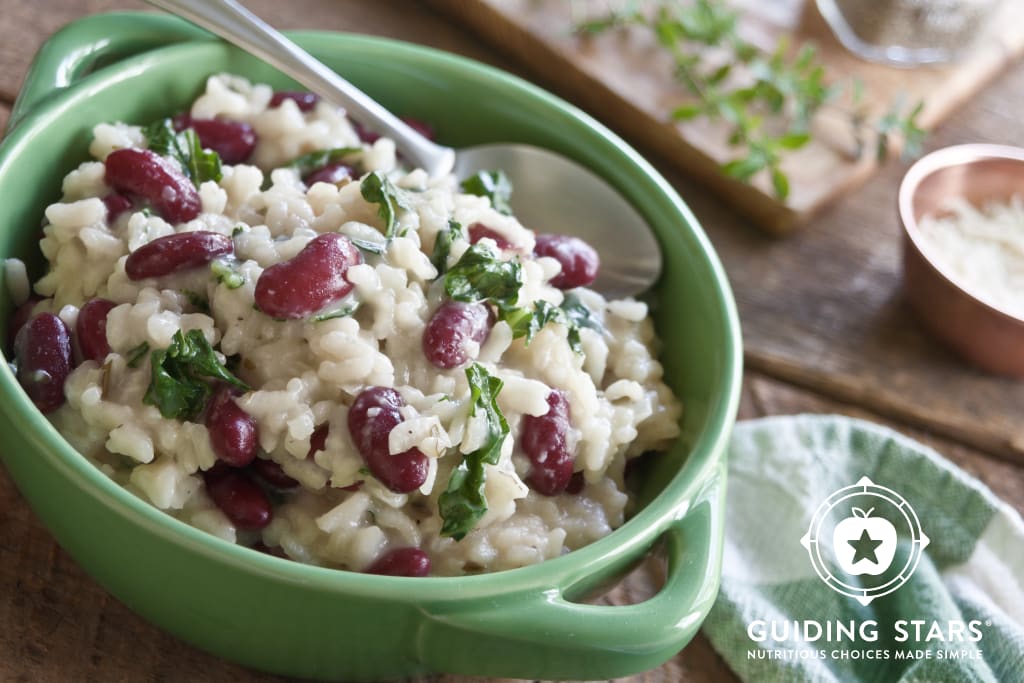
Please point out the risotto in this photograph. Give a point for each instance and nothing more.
(257, 320)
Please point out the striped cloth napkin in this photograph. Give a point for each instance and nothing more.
(826, 576)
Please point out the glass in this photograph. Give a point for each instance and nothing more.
(907, 32)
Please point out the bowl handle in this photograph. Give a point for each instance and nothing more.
(90, 43)
(544, 635)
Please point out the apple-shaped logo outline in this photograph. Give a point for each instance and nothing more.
(919, 540)
(863, 544)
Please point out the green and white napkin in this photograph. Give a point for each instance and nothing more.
(950, 607)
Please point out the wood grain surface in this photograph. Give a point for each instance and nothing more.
(825, 331)
(628, 77)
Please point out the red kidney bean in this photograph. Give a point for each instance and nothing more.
(576, 483)
(331, 173)
(451, 329)
(544, 440)
(173, 253)
(369, 136)
(366, 135)
(304, 100)
(272, 473)
(579, 260)
(373, 415)
(232, 430)
(478, 231)
(91, 329)
(233, 141)
(420, 126)
(318, 440)
(310, 280)
(18, 319)
(146, 173)
(116, 204)
(401, 562)
(42, 350)
(238, 497)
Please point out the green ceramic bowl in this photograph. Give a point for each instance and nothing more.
(305, 621)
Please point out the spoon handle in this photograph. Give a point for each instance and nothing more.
(235, 24)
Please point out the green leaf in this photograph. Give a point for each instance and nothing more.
(368, 246)
(226, 273)
(793, 140)
(579, 314)
(342, 312)
(197, 300)
(313, 161)
(203, 164)
(180, 385)
(464, 502)
(199, 165)
(573, 313)
(743, 169)
(780, 183)
(494, 185)
(687, 112)
(480, 275)
(136, 355)
(376, 188)
(720, 74)
(443, 245)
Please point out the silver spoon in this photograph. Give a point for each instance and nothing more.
(552, 193)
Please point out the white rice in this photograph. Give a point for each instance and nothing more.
(304, 374)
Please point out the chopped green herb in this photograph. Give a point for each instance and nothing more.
(463, 503)
(480, 275)
(136, 355)
(179, 386)
(342, 312)
(494, 185)
(227, 274)
(365, 471)
(443, 245)
(377, 189)
(307, 163)
(197, 300)
(368, 246)
(573, 313)
(578, 313)
(198, 164)
(527, 323)
(238, 230)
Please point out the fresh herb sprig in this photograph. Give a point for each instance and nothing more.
(769, 113)
(198, 164)
(494, 185)
(443, 245)
(180, 384)
(307, 163)
(481, 276)
(463, 502)
(376, 188)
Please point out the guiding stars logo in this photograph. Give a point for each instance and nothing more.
(865, 541)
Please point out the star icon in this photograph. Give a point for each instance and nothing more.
(864, 548)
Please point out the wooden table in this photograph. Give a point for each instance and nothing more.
(826, 332)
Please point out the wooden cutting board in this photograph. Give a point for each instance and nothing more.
(625, 79)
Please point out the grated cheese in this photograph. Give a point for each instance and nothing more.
(982, 249)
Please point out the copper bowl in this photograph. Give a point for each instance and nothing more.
(983, 334)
